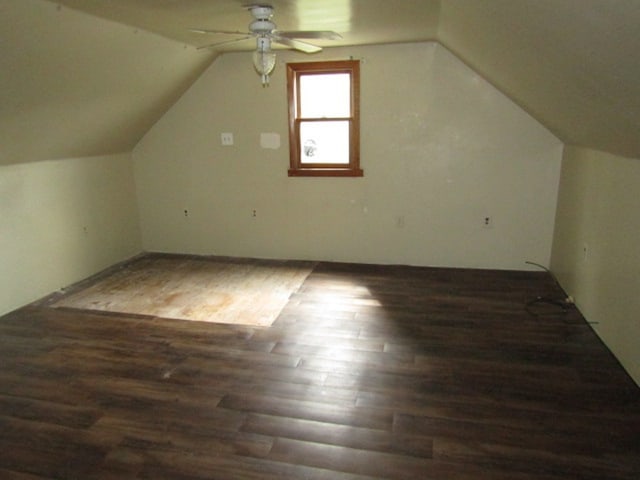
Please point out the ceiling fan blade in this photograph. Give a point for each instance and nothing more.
(311, 34)
(222, 32)
(297, 45)
(217, 44)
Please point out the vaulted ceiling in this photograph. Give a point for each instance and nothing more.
(89, 77)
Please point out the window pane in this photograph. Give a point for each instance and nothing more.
(325, 95)
(324, 142)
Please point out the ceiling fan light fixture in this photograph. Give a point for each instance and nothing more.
(264, 59)
(264, 30)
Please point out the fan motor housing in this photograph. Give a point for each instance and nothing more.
(262, 26)
(262, 12)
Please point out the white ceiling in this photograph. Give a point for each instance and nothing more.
(358, 21)
(73, 85)
(572, 64)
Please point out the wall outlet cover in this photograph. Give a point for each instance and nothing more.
(226, 139)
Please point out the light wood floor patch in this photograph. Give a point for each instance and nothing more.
(202, 289)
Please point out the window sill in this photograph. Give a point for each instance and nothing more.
(325, 172)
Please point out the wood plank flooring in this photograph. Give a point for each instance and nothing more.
(369, 372)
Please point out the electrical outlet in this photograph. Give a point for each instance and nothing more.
(226, 139)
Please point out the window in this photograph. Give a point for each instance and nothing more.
(324, 118)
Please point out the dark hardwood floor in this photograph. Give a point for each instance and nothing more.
(369, 372)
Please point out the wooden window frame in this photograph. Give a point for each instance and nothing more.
(299, 169)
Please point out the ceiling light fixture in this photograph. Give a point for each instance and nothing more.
(264, 59)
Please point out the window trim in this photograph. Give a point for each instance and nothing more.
(297, 168)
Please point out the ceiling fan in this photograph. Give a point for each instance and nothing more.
(264, 30)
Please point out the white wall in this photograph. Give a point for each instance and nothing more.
(62, 221)
(599, 210)
(440, 148)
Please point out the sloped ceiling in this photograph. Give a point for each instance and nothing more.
(82, 85)
(572, 64)
(73, 85)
